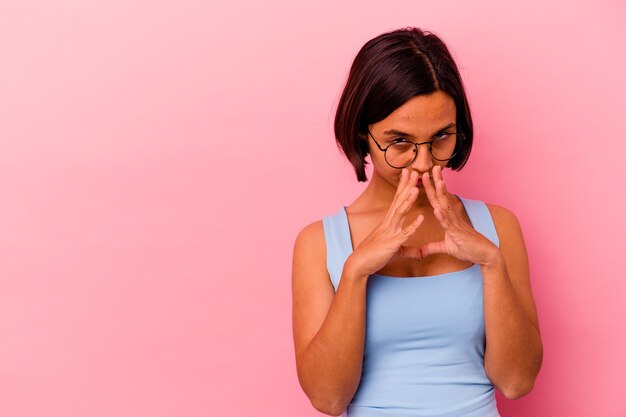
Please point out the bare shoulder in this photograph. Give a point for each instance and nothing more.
(509, 234)
(312, 289)
(312, 235)
(504, 220)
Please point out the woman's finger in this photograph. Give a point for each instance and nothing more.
(443, 218)
(440, 189)
(445, 199)
(411, 196)
(430, 191)
(401, 185)
(403, 209)
(410, 229)
(432, 248)
(411, 251)
(406, 197)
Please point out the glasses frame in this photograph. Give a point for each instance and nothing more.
(459, 136)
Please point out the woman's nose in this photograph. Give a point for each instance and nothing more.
(423, 161)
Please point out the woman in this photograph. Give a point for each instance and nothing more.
(411, 301)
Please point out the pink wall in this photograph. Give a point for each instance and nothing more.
(159, 157)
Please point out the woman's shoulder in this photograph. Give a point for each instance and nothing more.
(507, 227)
(503, 218)
(310, 241)
(311, 232)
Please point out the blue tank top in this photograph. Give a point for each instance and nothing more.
(424, 337)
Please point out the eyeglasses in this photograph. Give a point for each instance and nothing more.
(402, 152)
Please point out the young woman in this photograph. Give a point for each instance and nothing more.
(411, 301)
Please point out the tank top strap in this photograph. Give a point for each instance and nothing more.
(338, 243)
(481, 219)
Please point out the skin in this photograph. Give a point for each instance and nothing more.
(401, 228)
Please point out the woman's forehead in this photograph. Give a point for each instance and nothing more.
(421, 114)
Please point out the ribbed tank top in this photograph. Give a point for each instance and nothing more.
(424, 337)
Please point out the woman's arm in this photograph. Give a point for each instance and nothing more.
(328, 327)
(514, 351)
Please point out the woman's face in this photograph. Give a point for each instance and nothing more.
(420, 119)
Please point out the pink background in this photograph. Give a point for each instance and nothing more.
(158, 159)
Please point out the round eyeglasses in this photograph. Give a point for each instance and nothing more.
(402, 152)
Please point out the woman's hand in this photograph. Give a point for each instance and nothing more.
(461, 240)
(386, 241)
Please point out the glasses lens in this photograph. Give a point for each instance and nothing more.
(443, 147)
(400, 154)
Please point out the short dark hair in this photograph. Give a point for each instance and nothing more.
(388, 71)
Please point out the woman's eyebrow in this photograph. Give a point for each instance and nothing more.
(408, 135)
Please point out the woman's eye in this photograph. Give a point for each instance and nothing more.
(442, 135)
(398, 140)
